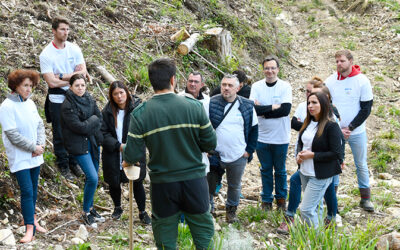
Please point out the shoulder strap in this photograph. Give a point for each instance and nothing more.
(226, 113)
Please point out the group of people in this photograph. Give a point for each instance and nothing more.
(192, 139)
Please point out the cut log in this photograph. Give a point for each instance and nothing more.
(104, 73)
(181, 35)
(187, 46)
(219, 40)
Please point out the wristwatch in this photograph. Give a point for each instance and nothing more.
(61, 76)
(351, 127)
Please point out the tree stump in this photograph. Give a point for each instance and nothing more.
(219, 40)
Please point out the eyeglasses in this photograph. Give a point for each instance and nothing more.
(193, 81)
(270, 68)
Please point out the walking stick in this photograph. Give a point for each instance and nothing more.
(131, 214)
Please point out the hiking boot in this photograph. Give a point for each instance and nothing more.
(266, 206)
(117, 213)
(284, 227)
(89, 220)
(97, 216)
(66, 173)
(144, 218)
(281, 204)
(365, 202)
(231, 214)
(367, 205)
(76, 170)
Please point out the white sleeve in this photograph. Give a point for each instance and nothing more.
(45, 64)
(79, 56)
(206, 105)
(7, 118)
(255, 119)
(253, 93)
(287, 94)
(366, 90)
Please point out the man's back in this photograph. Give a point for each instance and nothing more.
(176, 130)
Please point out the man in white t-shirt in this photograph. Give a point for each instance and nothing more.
(60, 60)
(352, 95)
(273, 101)
(235, 121)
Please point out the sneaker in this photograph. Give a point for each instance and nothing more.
(76, 170)
(284, 227)
(266, 206)
(89, 220)
(66, 173)
(97, 216)
(117, 213)
(144, 218)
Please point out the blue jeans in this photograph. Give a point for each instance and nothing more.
(90, 167)
(295, 197)
(314, 189)
(28, 183)
(358, 145)
(273, 157)
(234, 173)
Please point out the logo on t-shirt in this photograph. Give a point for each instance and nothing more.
(276, 99)
(348, 91)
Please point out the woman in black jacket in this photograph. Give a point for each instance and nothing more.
(320, 156)
(116, 117)
(81, 123)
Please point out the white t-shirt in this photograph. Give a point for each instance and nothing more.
(231, 143)
(118, 130)
(307, 167)
(347, 95)
(24, 117)
(301, 111)
(273, 130)
(56, 61)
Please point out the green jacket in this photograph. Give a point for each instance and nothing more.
(176, 130)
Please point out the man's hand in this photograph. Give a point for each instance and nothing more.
(246, 155)
(125, 164)
(275, 106)
(121, 148)
(346, 133)
(256, 102)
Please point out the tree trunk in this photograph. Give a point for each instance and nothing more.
(219, 40)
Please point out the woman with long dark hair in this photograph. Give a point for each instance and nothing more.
(24, 140)
(116, 117)
(81, 123)
(319, 153)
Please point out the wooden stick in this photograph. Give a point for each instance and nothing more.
(60, 226)
(98, 86)
(212, 65)
(103, 208)
(5, 6)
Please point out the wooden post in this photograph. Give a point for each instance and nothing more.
(130, 214)
(187, 46)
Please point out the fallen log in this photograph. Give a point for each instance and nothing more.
(181, 35)
(105, 74)
(187, 46)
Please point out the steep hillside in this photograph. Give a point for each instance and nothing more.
(124, 36)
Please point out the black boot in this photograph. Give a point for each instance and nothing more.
(365, 202)
(66, 173)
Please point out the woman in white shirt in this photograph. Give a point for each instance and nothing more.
(24, 139)
(320, 156)
(116, 117)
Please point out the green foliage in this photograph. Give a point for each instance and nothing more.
(185, 240)
(49, 158)
(379, 78)
(136, 71)
(79, 197)
(313, 34)
(385, 200)
(84, 246)
(304, 237)
(384, 152)
(251, 214)
(380, 112)
(392, 4)
(119, 240)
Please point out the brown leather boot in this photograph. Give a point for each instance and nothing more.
(266, 206)
(281, 204)
(231, 214)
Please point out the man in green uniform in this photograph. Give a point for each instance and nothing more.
(176, 130)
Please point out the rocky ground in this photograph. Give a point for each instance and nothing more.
(129, 31)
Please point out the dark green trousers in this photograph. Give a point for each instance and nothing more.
(165, 230)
